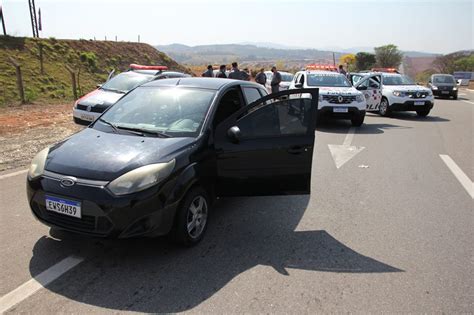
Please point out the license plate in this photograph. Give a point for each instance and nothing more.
(340, 110)
(63, 206)
(445, 92)
(419, 103)
(87, 117)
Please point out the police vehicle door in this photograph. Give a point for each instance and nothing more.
(370, 86)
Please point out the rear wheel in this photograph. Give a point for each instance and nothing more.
(357, 120)
(192, 217)
(423, 112)
(383, 107)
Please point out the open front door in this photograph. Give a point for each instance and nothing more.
(266, 148)
(371, 87)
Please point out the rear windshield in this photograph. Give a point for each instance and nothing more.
(124, 82)
(443, 79)
(335, 80)
(286, 77)
(398, 79)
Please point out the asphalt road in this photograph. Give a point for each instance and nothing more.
(391, 230)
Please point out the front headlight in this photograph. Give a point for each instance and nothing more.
(434, 87)
(399, 93)
(360, 98)
(455, 88)
(37, 164)
(141, 178)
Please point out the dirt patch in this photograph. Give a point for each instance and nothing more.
(25, 130)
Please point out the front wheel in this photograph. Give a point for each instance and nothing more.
(455, 97)
(384, 110)
(357, 120)
(191, 218)
(423, 112)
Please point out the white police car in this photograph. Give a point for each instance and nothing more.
(337, 97)
(286, 78)
(399, 93)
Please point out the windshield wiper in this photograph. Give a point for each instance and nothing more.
(142, 132)
(109, 123)
(114, 90)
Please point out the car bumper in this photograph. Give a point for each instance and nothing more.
(444, 93)
(84, 117)
(410, 106)
(330, 111)
(104, 215)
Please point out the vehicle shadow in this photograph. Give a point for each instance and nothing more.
(153, 276)
(342, 126)
(414, 117)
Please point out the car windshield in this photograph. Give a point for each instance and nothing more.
(171, 111)
(335, 80)
(124, 82)
(398, 79)
(286, 77)
(448, 79)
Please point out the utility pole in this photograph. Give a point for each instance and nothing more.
(138, 38)
(34, 21)
(334, 58)
(3, 21)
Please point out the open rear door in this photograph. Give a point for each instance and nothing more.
(266, 148)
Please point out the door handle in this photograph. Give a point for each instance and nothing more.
(297, 150)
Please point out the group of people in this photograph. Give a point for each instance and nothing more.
(244, 75)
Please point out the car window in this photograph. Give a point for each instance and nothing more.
(126, 81)
(356, 78)
(397, 79)
(363, 83)
(178, 112)
(302, 79)
(374, 82)
(448, 79)
(322, 79)
(280, 118)
(251, 94)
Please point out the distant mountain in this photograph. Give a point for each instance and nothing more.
(272, 45)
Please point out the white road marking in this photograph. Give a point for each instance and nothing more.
(468, 102)
(341, 154)
(43, 279)
(459, 174)
(13, 174)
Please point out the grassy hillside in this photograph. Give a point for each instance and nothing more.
(91, 59)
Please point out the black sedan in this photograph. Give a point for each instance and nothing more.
(155, 161)
(443, 85)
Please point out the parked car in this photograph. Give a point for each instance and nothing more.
(286, 78)
(399, 93)
(337, 97)
(443, 85)
(92, 105)
(156, 160)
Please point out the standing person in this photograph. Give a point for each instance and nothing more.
(342, 71)
(276, 80)
(209, 73)
(235, 72)
(261, 78)
(221, 73)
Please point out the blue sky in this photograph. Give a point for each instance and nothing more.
(434, 26)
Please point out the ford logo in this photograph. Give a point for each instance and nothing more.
(340, 99)
(68, 181)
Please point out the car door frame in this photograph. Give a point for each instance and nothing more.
(373, 96)
(229, 182)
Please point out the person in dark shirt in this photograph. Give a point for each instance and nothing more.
(276, 80)
(236, 74)
(209, 73)
(221, 73)
(341, 70)
(261, 78)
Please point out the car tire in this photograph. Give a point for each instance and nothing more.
(384, 109)
(455, 97)
(357, 120)
(423, 112)
(185, 232)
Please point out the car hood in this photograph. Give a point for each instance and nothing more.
(100, 97)
(406, 88)
(93, 154)
(325, 90)
(444, 84)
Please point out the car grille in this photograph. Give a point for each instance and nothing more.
(346, 99)
(445, 88)
(420, 94)
(94, 109)
(91, 224)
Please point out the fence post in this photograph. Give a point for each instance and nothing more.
(73, 80)
(19, 79)
(40, 47)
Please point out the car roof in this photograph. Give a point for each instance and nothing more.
(205, 83)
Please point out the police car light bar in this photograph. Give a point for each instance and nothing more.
(321, 67)
(142, 67)
(389, 70)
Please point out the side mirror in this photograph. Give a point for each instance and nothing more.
(362, 88)
(234, 134)
(298, 85)
(98, 86)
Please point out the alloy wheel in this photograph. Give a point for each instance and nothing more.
(197, 217)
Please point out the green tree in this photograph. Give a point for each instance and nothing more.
(388, 56)
(364, 61)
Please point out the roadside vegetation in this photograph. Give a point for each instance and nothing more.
(90, 60)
